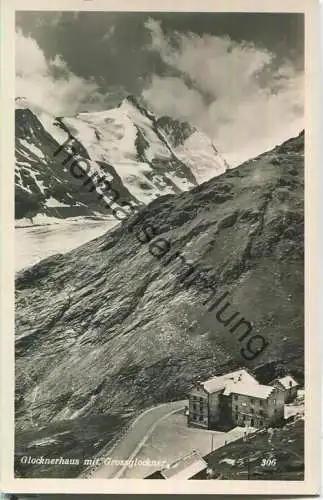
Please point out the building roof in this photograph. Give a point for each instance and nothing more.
(185, 467)
(287, 382)
(219, 383)
(249, 389)
(155, 475)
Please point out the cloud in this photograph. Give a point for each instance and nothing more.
(237, 93)
(49, 83)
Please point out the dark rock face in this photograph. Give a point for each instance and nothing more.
(176, 131)
(109, 327)
(41, 174)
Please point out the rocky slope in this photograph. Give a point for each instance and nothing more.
(110, 328)
(126, 145)
(287, 448)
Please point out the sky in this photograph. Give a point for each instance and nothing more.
(238, 77)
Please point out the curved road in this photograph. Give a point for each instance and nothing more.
(131, 443)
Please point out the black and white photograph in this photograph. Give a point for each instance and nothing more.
(159, 245)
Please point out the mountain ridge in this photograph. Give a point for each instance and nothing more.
(135, 334)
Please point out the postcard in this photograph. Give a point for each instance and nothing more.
(159, 314)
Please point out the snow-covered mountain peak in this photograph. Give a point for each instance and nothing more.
(134, 101)
(24, 103)
(143, 156)
(21, 103)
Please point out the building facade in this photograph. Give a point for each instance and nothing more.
(260, 408)
(198, 409)
(235, 399)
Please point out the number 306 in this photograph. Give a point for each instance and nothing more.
(268, 462)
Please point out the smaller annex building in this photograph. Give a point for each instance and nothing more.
(288, 385)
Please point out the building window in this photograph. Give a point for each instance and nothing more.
(262, 413)
(201, 400)
(237, 407)
(252, 410)
(194, 416)
(261, 423)
(236, 397)
(252, 401)
(200, 418)
(194, 407)
(243, 417)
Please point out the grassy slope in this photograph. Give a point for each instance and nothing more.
(287, 447)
